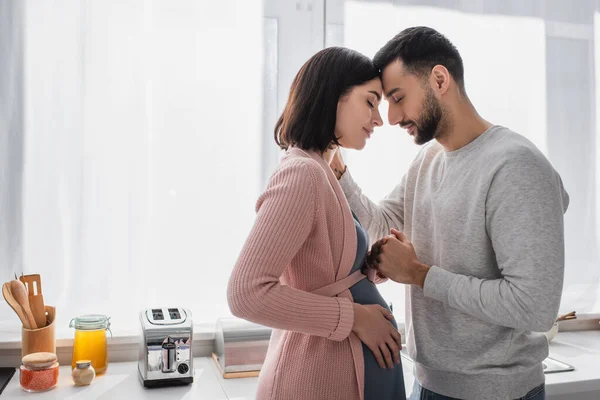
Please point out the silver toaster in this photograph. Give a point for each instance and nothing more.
(165, 349)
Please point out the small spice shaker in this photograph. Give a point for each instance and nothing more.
(39, 372)
(84, 373)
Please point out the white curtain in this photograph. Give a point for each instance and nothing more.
(142, 152)
(11, 140)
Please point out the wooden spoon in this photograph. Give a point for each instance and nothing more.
(14, 305)
(19, 292)
(565, 317)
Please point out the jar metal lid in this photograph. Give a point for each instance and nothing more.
(82, 364)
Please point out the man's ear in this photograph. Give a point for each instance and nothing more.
(441, 77)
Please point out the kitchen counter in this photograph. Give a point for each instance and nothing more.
(579, 349)
(121, 381)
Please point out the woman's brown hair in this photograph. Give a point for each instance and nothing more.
(308, 120)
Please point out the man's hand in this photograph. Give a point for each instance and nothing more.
(371, 262)
(398, 260)
(337, 164)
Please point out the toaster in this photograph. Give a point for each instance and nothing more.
(165, 349)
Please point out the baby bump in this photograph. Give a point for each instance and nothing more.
(380, 383)
(365, 292)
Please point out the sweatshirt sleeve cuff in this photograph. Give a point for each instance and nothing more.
(437, 284)
(346, 320)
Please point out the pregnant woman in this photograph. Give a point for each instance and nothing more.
(299, 271)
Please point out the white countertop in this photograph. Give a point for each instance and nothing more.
(579, 349)
(582, 351)
(121, 381)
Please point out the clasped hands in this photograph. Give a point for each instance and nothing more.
(394, 257)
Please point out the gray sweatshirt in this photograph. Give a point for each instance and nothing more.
(488, 219)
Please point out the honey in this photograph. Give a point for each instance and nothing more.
(90, 341)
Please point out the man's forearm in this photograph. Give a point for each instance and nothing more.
(497, 301)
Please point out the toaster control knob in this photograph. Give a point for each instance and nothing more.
(183, 368)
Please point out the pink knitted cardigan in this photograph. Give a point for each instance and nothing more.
(303, 239)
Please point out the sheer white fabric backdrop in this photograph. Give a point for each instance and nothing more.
(142, 153)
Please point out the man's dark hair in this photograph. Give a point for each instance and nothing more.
(421, 48)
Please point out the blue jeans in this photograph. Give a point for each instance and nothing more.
(420, 393)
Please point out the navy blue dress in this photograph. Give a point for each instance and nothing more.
(380, 383)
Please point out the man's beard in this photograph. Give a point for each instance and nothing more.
(429, 121)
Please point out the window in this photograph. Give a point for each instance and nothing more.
(528, 66)
(136, 136)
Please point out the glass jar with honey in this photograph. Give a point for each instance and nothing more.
(90, 341)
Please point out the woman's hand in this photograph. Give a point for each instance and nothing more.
(372, 326)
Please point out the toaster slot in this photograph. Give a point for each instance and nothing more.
(174, 313)
(157, 314)
(166, 316)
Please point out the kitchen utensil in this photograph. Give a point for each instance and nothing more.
(33, 283)
(568, 316)
(17, 288)
(583, 322)
(12, 302)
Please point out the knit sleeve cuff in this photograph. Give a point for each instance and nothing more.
(346, 320)
(437, 284)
